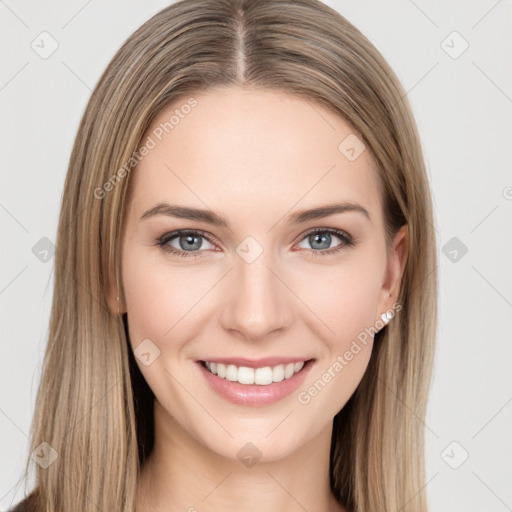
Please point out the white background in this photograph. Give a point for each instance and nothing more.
(463, 108)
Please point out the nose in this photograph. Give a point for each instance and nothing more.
(258, 303)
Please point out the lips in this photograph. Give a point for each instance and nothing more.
(254, 394)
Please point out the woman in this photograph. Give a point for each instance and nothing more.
(244, 309)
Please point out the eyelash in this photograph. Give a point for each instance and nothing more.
(347, 241)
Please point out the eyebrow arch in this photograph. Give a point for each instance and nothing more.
(301, 216)
(326, 210)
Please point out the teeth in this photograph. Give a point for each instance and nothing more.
(262, 376)
(278, 373)
(221, 370)
(246, 375)
(289, 370)
(231, 372)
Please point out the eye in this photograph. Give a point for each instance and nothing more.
(321, 238)
(187, 243)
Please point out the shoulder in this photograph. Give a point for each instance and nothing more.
(29, 504)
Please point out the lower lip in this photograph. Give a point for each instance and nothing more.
(254, 394)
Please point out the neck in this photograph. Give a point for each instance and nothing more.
(184, 475)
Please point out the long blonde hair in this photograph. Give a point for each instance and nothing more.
(93, 406)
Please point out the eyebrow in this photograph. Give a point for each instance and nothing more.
(299, 217)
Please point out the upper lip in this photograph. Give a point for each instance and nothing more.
(256, 363)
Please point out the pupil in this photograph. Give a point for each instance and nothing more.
(317, 238)
(190, 241)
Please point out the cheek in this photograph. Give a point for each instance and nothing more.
(163, 303)
(344, 297)
(346, 304)
(163, 306)
(149, 308)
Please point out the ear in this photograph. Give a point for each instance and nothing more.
(397, 258)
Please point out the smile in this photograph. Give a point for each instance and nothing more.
(254, 382)
(259, 376)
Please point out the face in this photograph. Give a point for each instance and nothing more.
(249, 285)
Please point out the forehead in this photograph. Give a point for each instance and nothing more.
(250, 150)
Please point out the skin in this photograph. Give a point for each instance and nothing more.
(253, 157)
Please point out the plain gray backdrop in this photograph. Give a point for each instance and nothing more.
(454, 59)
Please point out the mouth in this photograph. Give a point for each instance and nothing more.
(254, 383)
(258, 375)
